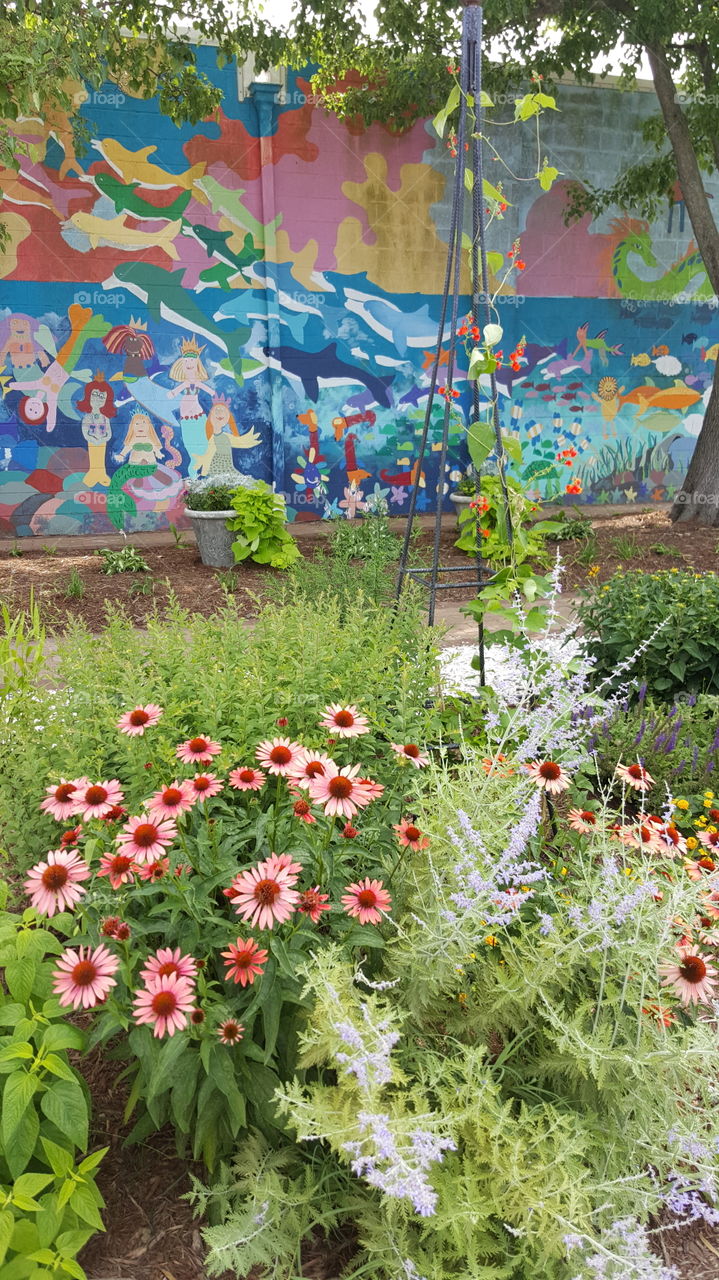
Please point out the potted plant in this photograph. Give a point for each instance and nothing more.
(463, 495)
(208, 506)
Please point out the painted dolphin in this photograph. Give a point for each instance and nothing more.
(229, 203)
(215, 245)
(135, 166)
(402, 328)
(324, 368)
(248, 305)
(125, 200)
(116, 232)
(166, 299)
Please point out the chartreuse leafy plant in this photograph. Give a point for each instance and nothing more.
(260, 527)
(511, 1091)
(49, 1202)
(669, 619)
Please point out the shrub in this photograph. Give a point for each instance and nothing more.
(126, 560)
(669, 620)
(513, 1092)
(260, 527)
(50, 1203)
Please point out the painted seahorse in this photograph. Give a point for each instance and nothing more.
(680, 278)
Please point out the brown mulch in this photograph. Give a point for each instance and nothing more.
(150, 1231)
(633, 538)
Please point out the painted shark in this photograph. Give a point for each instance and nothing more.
(324, 368)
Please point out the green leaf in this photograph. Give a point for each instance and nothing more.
(441, 118)
(29, 1184)
(17, 1049)
(513, 448)
(493, 193)
(20, 1154)
(59, 1067)
(63, 1036)
(92, 1161)
(19, 1092)
(64, 1104)
(20, 978)
(546, 176)
(59, 1158)
(83, 1202)
(7, 1223)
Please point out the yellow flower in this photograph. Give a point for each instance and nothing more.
(701, 822)
(462, 997)
(680, 804)
(593, 571)
(692, 842)
(709, 795)
(490, 940)
(707, 804)
(711, 828)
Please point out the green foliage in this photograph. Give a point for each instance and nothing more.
(75, 587)
(669, 619)
(625, 546)
(572, 529)
(126, 560)
(49, 1203)
(260, 527)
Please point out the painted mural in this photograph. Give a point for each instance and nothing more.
(259, 295)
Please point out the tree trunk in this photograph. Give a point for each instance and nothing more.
(698, 500)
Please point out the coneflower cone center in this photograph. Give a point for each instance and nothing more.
(164, 1003)
(96, 795)
(84, 973)
(340, 788)
(693, 969)
(138, 718)
(54, 877)
(266, 891)
(367, 898)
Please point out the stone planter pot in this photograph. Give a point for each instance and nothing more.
(214, 539)
(460, 501)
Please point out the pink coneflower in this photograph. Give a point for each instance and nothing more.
(301, 809)
(709, 838)
(197, 1017)
(312, 903)
(338, 790)
(366, 900)
(96, 799)
(134, 723)
(123, 931)
(691, 977)
(69, 839)
(198, 750)
(61, 800)
(641, 836)
(109, 926)
(410, 751)
(700, 868)
(154, 871)
(670, 838)
(247, 779)
(165, 1004)
(205, 785)
(84, 976)
(344, 722)
(349, 832)
(278, 755)
(120, 867)
(548, 776)
(244, 961)
(55, 883)
(230, 1032)
(166, 961)
(114, 814)
(308, 765)
(146, 840)
(582, 820)
(634, 775)
(265, 893)
(171, 801)
(373, 790)
(410, 836)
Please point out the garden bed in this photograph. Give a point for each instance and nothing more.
(640, 539)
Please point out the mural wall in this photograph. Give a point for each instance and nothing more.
(260, 295)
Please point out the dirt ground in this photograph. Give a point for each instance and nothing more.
(634, 538)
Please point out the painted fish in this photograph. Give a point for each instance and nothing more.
(116, 233)
(689, 338)
(134, 166)
(679, 396)
(642, 359)
(711, 353)
(661, 350)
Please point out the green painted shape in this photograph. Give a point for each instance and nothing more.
(678, 279)
(230, 204)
